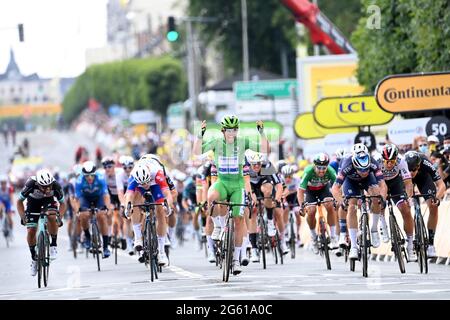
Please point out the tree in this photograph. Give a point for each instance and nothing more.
(414, 37)
(151, 83)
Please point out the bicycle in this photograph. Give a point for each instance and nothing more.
(202, 238)
(73, 237)
(421, 234)
(262, 229)
(397, 238)
(96, 239)
(150, 243)
(6, 228)
(324, 236)
(364, 242)
(43, 245)
(227, 244)
(292, 226)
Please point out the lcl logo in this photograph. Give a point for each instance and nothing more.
(353, 107)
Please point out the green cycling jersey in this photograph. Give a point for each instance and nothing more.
(311, 181)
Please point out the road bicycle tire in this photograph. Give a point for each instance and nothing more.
(228, 251)
(292, 239)
(420, 244)
(273, 248)
(263, 240)
(278, 242)
(324, 239)
(40, 258)
(149, 250)
(352, 263)
(46, 270)
(365, 244)
(96, 244)
(396, 239)
(116, 244)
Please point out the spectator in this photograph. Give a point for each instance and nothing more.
(420, 144)
(433, 143)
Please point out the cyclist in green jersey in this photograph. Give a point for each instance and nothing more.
(229, 154)
(316, 183)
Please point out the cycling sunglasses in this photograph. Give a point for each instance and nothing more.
(109, 166)
(231, 130)
(89, 175)
(127, 167)
(322, 168)
(363, 170)
(390, 161)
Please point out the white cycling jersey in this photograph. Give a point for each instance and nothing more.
(401, 167)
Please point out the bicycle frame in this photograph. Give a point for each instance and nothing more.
(421, 241)
(397, 237)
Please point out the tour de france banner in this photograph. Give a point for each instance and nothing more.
(345, 112)
(414, 92)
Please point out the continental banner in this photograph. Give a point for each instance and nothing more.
(345, 112)
(306, 128)
(414, 92)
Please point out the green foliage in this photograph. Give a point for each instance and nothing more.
(151, 83)
(414, 37)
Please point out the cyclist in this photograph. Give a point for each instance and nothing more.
(127, 163)
(154, 160)
(429, 182)
(263, 179)
(91, 188)
(40, 191)
(316, 182)
(229, 159)
(291, 185)
(6, 199)
(398, 180)
(113, 183)
(69, 196)
(340, 154)
(357, 172)
(147, 177)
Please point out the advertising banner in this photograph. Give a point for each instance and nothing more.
(404, 131)
(306, 128)
(344, 112)
(414, 92)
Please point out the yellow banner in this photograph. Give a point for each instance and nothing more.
(414, 92)
(10, 111)
(306, 128)
(344, 112)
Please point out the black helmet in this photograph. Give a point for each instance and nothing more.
(390, 152)
(413, 160)
(107, 161)
(321, 159)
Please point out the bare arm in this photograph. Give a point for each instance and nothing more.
(440, 189)
(408, 187)
(199, 140)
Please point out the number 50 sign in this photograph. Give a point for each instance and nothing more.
(438, 126)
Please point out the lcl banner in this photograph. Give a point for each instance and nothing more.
(414, 92)
(346, 112)
(306, 128)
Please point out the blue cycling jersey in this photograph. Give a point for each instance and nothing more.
(335, 165)
(91, 191)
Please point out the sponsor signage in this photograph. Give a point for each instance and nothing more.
(368, 139)
(438, 126)
(278, 89)
(343, 112)
(414, 92)
(306, 128)
(404, 131)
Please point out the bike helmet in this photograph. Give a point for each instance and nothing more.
(126, 160)
(390, 152)
(287, 170)
(88, 168)
(321, 159)
(151, 156)
(340, 153)
(360, 157)
(280, 164)
(107, 161)
(141, 173)
(44, 177)
(413, 160)
(229, 122)
(255, 157)
(3, 178)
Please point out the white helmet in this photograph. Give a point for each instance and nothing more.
(44, 177)
(150, 156)
(340, 153)
(255, 157)
(3, 177)
(88, 168)
(360, 157)
(287, 170)
(126, 160)
(141, 173)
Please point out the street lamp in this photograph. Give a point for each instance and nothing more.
(268, 97)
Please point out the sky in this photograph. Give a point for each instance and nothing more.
(56, 32)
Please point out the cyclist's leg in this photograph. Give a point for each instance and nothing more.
(103, 222)
(428, 187)
(396, 187)
(172, 220)
(351, 188)
(161, 221)
(372, 188)
(310, 196)
(325, 195)
(32, 217)
(217, 191)
(84, 221)
(237, 195)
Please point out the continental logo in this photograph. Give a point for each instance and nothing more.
(392, 95)
(414, 92)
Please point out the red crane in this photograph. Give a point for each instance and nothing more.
(321, 29)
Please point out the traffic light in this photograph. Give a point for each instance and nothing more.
(172, 33)
(20, 27)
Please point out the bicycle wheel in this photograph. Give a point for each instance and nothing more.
(324, 239)
(292, 239)
(229, 240)
(46, 269)
(420, 244)
(263, 239)
(352, 262)
(40, 257)
(278, 242)
(273, 248)
(96, 244)
(396, 239)
(365, 243)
